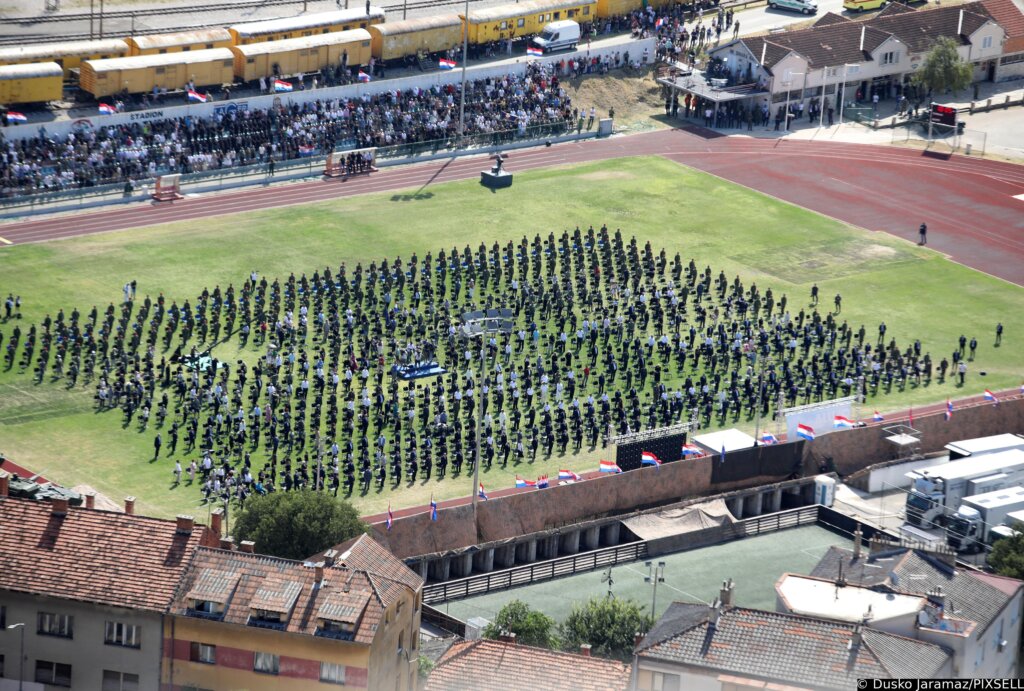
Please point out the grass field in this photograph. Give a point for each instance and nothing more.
(916, 291)
(693, 576)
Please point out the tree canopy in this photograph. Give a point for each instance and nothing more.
(530, 626)
(943, 68)
(1007, 557)
(296, 525)
(607, 624)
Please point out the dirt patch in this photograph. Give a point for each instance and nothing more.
(879, 251)
(635, 97)
(102, 501)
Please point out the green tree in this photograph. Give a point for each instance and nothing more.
(1007, 557)
(296, 525)
(943, 68)
(607, 624)
(530, 627)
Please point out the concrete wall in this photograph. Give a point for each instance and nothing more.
(60, 128)
(86, 651)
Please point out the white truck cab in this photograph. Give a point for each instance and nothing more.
(558, 35)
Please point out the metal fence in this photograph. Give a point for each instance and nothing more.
(941, 138)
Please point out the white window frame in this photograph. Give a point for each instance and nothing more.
(60, 625)
(266, 663)
(986, 42)
(332, 673)
(53, 673)
(122, 634)
(206, 653)
(123, 680)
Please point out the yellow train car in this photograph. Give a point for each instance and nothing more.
(395, 40)
(179, 42)
(525, 18)
(35, 82)
(307, 54)
(306, 25)
(69, 55)
(170, 71)
(617, 8)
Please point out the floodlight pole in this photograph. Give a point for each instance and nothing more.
(656, 575)
(462, 98)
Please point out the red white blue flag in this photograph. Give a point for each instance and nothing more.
(521, 483)
(196, 96)
(13, 116)
(446, 64)
(482, 494)
(648, 458)
(877, 417)
(568, 476)
(391, 516)
(433, 508)
(805, 432)
(282, 86)
(768, 439)
(363, 77)
(610, 467)
(949, 410)
(106, 109)
(989, 396)
(692, 450)
(534, 52)
(841, 422)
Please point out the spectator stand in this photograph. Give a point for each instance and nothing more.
(167, 188)
(345, 164)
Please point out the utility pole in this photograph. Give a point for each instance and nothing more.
(656, 575)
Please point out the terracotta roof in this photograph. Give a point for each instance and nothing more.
(242, 582)
(368, 555)
(93, 556)
(1009, 15)
(499, 666)
(787, 648)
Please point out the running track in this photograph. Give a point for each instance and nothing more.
(968, 204)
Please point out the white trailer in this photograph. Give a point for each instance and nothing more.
(969, 528)
(983, 445)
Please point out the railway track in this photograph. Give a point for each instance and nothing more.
(133, 16)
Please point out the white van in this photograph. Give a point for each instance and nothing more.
(804, 6)
(558, 35)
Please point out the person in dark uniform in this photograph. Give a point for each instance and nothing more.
(814, 294)
(922, 233)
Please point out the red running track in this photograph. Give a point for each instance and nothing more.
(968, 204)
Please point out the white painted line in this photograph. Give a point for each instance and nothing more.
(1019, 196)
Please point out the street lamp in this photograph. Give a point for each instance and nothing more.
(656, 575)
(483, 323)
(843, 85)
(788, 81)
(21, 658)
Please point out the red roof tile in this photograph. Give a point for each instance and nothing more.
(367, 554)
(93, 556)
(500, 666)
(1008, 15)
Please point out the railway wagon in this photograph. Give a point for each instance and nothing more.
(307, 54)
(35, 82)
(69, 54)
(179, 42)
(615, 8)
(170, 71)
(306, 25)
(525, 18)
(395, 40)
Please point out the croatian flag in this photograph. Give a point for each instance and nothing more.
(521, 483)
(768, 438)
(20, 117)
(568, 476)
(196, 96)
(648, 458)
(805, 432)
(877, 417)
(280, 86)
(305, 150)
(535, 52)
(610, 467)
(692, 450)
(363, 77)
(433, 508)
(391, 516)
(542, 482)
(989, 396)
(949, 409)
(721, 457)
(481, 493)
(841, 422)
(658, 24)
(446, 64)
(107, 109)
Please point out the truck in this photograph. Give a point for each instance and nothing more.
(969, 529)
(984, 445)
(939, 490)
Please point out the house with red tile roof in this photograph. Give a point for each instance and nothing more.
(1010, 15)
(487, 665)
(244, 620)
(87, 590)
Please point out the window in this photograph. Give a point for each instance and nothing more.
(3, 617)
(53, 673)
(120, 681)
(119, 633)
(504, 25)
(891, 58)
(267, 663)
(997, 641)
(336, 629)
(161, 51)
(648, 680)
(520, 23)
(203, 652)
(986, 42)
(208, 46)
(56, 625)
(332, 673)
(160, 70)
(1, 666)
(208, 607)
(586, 10)
(1010, 59)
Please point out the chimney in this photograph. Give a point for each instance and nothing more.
(638, 638)
(90, 500)
(937, 597)
(507, 637)
(856, 639)
(330, 556)
(318, 573)
(216, 521)
(725, 594)
(129, 505)
(247, 546)
(185, 525)
(227, 543)
(59, 507)
(5, 483)
(857, 537)
(716, 614)
(585, 649)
